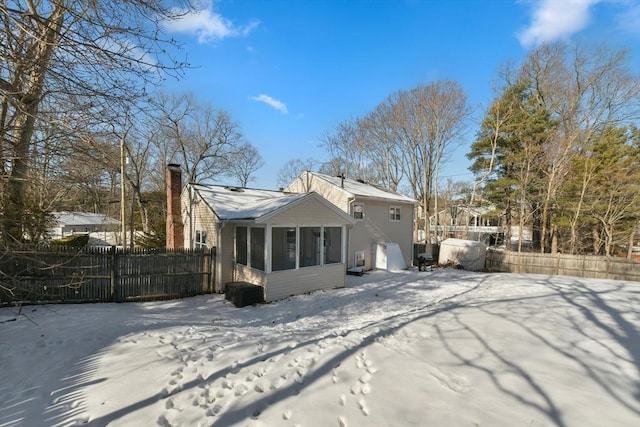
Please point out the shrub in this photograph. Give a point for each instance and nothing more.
(73, 241)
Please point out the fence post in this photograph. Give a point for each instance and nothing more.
(212, 270)
(206, 269)
(115, 277)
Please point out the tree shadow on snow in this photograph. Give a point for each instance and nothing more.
(592, 304)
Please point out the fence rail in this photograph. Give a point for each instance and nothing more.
(103, 274)
(589, 266)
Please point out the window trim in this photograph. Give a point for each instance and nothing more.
(198, 242)
(392, 216)
(353, 211)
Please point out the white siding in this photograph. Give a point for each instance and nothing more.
(311, 212)
(308, 182)
(225, 256)
(196, 215)
(282, 284)
(375, 228)
(250, 275)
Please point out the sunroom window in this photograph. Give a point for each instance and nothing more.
(257, 248)
(241, 245)
(309, 246)
(332, 245)
(283, 248)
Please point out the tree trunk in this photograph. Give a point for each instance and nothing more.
(597, 241)
(28, 100)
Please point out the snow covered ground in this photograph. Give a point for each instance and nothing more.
(441, 348)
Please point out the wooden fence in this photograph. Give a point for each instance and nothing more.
(104, 274)
(598, 267)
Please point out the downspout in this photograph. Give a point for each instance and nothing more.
(351, 200)
(219, 259)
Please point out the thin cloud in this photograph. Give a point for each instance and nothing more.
(630, 19)
(206, 24)
(556, 19)
(274, 103)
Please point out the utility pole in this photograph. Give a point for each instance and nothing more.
(122, 195)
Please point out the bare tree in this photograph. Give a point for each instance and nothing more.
(348, 143)
(244, 164)
(96, 56)
(426, 123)
(293, 169)
(199, 137)
(381, 145)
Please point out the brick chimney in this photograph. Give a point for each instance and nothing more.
(175, 228)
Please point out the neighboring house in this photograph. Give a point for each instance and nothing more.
(381, 216)
(68, 223)
(479, 223)
(286, 243)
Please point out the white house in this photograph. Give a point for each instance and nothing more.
(95, 224)
(286, 243)
(480, 223)
(383, 219)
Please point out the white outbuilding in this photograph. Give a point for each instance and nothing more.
(468, 254)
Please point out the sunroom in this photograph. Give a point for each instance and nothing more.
(289, 244)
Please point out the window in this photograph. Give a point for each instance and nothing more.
(201, 239)
(283, 248)
(241, 245)
(257, 248)
(309, 246)
(332, 245)
(394, 213)
(360, 259)
(358, 211)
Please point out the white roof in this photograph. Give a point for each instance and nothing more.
(462, 243)
(233, 203)
(361, 189)
(67, 219)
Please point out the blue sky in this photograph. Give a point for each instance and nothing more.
(289, 70)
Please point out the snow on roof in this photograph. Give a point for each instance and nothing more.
(231, 203)
(66, 218)
(359, 188)
(462, 243)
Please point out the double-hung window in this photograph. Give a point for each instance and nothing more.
(358, 211)
(394, 213)
(201, 239)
